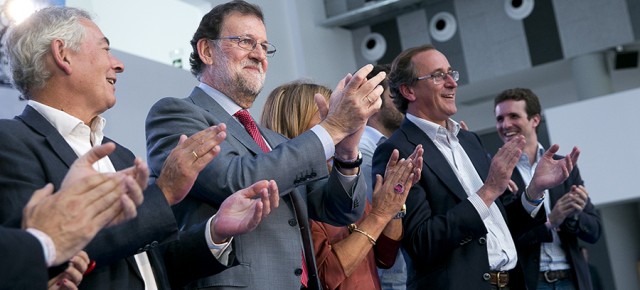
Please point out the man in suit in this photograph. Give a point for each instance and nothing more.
(456, 231)
(60, 61)
(58, 226)
(550, 253)
(229, 58)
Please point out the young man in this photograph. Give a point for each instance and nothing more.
(550, 253)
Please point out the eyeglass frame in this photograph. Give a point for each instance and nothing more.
(239, 39)
(454, 74)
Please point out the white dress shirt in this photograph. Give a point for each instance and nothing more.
(552, 257)
(500, 246)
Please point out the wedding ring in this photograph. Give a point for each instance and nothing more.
(398, 188)
(370, 101)
(195, 154)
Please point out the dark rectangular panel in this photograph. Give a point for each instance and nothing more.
(389, 29)
(542, 33)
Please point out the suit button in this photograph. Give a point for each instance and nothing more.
(293, 222)
(486, 276)
(140, 250)
(297, 272)
(482, 240)
(146, 248)
(313, 174)
(154, 244)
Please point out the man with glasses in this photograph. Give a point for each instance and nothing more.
(229, 58)
(456, 230)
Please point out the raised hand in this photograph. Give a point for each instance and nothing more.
(390, 193)
(184, 163)
(242, 211)
(550, 172)
(502, 166)
(74, 215)
(353, 101)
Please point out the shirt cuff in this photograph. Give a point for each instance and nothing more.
(326, 140)
(530, 208)
(479, 205)
(48, 247)
(220, 251)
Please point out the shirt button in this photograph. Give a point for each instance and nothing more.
(482, 240)
(486, 276)
(297, 272)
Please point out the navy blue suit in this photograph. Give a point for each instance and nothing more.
(444, 234)
(33, 154)
(587, 228)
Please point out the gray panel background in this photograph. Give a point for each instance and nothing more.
(592, 25)
(414, 29)
(493, 43)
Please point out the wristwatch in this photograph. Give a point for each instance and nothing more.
(348, 164)
(402, 212)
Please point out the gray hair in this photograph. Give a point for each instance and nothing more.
(27, 44)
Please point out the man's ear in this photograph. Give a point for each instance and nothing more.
(204, 51)
(407, 92)
(536, 120)
(60, 55)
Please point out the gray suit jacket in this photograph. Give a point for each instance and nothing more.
(269, 257)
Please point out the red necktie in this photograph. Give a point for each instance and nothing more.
(245, 119)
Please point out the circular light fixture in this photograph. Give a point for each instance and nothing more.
(373, 46)
(518, 9)
(443, 26)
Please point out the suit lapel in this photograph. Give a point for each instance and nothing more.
(236, 130)
(39, 124)
(433, 158)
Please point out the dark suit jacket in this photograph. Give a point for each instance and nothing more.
(444, 234)
(298, 166)
(23, 265)
(33, 154)
(587, 228)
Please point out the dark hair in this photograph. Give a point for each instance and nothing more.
(211, 24)
(403, 73)
(379, 68)
(532, 104)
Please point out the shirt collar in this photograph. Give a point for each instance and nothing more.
(64, 123)
(432, 129)
(224, 101)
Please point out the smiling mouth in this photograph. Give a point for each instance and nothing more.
(111, 81)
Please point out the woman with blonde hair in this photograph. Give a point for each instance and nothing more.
(347, 256)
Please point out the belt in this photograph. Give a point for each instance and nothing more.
(553, 276)
(499, 278)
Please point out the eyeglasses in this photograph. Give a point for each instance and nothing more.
(440, 77)
(250, 44)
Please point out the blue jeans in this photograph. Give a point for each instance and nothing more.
(564, 284)
(394, 278)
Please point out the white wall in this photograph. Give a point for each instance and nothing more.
(604, 129)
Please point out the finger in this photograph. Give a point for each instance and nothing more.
(274, 194)
(323, 107)
(359, 78)
(512, 186)
(378, 185)
(393, 159)
(463, 125)
(266, 203)
(129, 210)
(551, 151)
(575, 153)
(74, 272)
(133, 190)
(96, 153)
